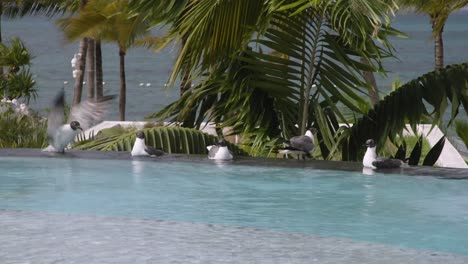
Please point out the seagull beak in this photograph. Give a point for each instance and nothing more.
(80, 128)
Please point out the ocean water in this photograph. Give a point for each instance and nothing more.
(51, 64)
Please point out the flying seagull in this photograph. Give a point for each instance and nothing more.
(140, 148)
(300, 144)
(81, 117)
(219, 151)
(371, 160)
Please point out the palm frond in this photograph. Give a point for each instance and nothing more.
(171, 140)
(266, 94)
(49, 8)
(428, 95)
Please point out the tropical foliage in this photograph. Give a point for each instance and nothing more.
(264, 66)
(106, 20)
(17, 80)
(421, 150)
(438, 12)
(425, 98)
(461, 127)
(169, 139)
(22, 131)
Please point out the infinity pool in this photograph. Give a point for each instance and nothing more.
(424, 214)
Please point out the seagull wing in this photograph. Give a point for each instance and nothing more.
(56, 117)
(383, 163)
(153, 151)
(303, 143)
(90, 112)
(213, 150)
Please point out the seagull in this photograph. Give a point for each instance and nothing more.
(15, 102)
(372, 161)
(301, 144)
(82, 116)
(24, 109)
(140, 148)
(219, 151)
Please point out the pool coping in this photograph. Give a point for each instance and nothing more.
(447, 173)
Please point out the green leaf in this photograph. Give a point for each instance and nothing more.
(433, 154)
(401, 152)
(415, 155)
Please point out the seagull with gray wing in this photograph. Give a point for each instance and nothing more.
(82, 116)
(371, 160)
(141, 149)
(219, 151)
(300, 145)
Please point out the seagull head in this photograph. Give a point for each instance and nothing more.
(370, 143)
(75, 125)
(221, 143)
(311, 132)
(140, 134)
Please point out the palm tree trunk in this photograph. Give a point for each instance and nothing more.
(123, 86)
(91, 69)
(99, 73)
(78, 87)
(372, 84)
(438, 50)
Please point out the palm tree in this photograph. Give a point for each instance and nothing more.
(19, 8)
(438, 12)
(108, 20)
(310, 65)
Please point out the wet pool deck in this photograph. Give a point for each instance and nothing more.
(449, 173)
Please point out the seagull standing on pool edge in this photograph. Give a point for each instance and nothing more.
(371, 160)
(140, 148)
(219, 151)
(301, 145)
(81, 117)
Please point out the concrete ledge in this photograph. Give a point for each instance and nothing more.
(449, 158)
(443, 173)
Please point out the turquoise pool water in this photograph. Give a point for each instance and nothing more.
(424, 213)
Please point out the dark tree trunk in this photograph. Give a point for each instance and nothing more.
(78, 87)
(123, 86)
(91, 69)
(438, 49)
(99, 73)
